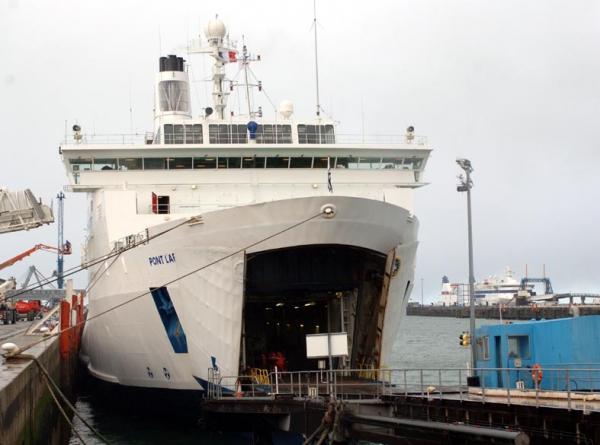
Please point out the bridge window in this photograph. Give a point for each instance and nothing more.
(369, 163)
(130, 164)
(274, 134)
(391, 163)
(193, 134)
(234, 162)
(239, 134)
(346, 162)
(253, 162)
(155, 163)
(316, 134)
(81, 164)
(205, 162)
(179, 134)
(180, 163)
(278, 162)
(323, 162)
(105, 164)
(301, 162)
(227, 134)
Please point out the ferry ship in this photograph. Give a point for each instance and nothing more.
(492, 290)
(234, 236)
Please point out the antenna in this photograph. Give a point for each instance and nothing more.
(245, 65)
(316, 57)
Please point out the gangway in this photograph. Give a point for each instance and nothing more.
(22, 211)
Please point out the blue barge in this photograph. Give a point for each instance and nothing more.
(561, 354)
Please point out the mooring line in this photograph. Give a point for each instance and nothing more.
(64, 414)
(86, 265)
(62, 395)
(181, 277)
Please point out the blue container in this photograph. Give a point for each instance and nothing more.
(567, 350)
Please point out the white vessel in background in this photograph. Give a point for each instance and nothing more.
(493, 290)
(327, 219)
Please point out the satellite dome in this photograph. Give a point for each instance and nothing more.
(286, 108)
(215, 29)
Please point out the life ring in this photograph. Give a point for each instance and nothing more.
(537, 374)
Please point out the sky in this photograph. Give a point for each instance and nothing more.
(511, 85)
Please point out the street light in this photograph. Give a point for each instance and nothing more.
(465, 185)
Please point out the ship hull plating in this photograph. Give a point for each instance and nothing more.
(174, 329)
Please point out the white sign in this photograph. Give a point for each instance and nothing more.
(317, 345)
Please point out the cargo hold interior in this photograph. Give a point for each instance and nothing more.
(312, 289)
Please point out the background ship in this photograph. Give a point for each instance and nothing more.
(492, 290)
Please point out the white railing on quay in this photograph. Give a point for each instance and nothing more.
(573, 386)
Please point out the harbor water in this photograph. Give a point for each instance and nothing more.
(423, 342)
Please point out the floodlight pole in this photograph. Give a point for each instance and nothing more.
(466, 185)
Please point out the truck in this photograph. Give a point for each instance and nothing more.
(29, 309)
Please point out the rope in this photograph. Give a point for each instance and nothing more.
(97, 275)
(65, 399)
(181, 277)
(64, 414)
(97, 260)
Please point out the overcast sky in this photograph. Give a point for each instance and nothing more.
(512, 85)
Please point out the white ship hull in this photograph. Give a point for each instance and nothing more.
(132, 346)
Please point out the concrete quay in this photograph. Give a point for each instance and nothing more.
(508, 313)
(28, 414)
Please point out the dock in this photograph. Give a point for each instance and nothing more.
(425, 406)
(29, 414)
(548, 312)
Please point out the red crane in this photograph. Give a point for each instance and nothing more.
(65, 250)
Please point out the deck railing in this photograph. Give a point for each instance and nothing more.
(574, 386)
(146, 139)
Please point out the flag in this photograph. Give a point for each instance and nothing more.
(228, 55)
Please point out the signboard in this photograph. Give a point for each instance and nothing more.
(317, 345)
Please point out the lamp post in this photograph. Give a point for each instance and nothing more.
(465, 185)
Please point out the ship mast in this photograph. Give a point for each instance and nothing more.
(223, 52)
(316, 57)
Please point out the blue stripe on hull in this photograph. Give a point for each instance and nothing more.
(170, 320)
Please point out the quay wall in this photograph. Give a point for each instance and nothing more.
(508, 313)
(28, 413)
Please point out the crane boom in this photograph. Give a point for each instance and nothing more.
(65, 250)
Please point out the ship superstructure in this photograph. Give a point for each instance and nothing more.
(327, 220)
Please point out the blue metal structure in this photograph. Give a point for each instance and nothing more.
(566, 350)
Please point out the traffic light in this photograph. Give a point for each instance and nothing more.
(465, 339)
